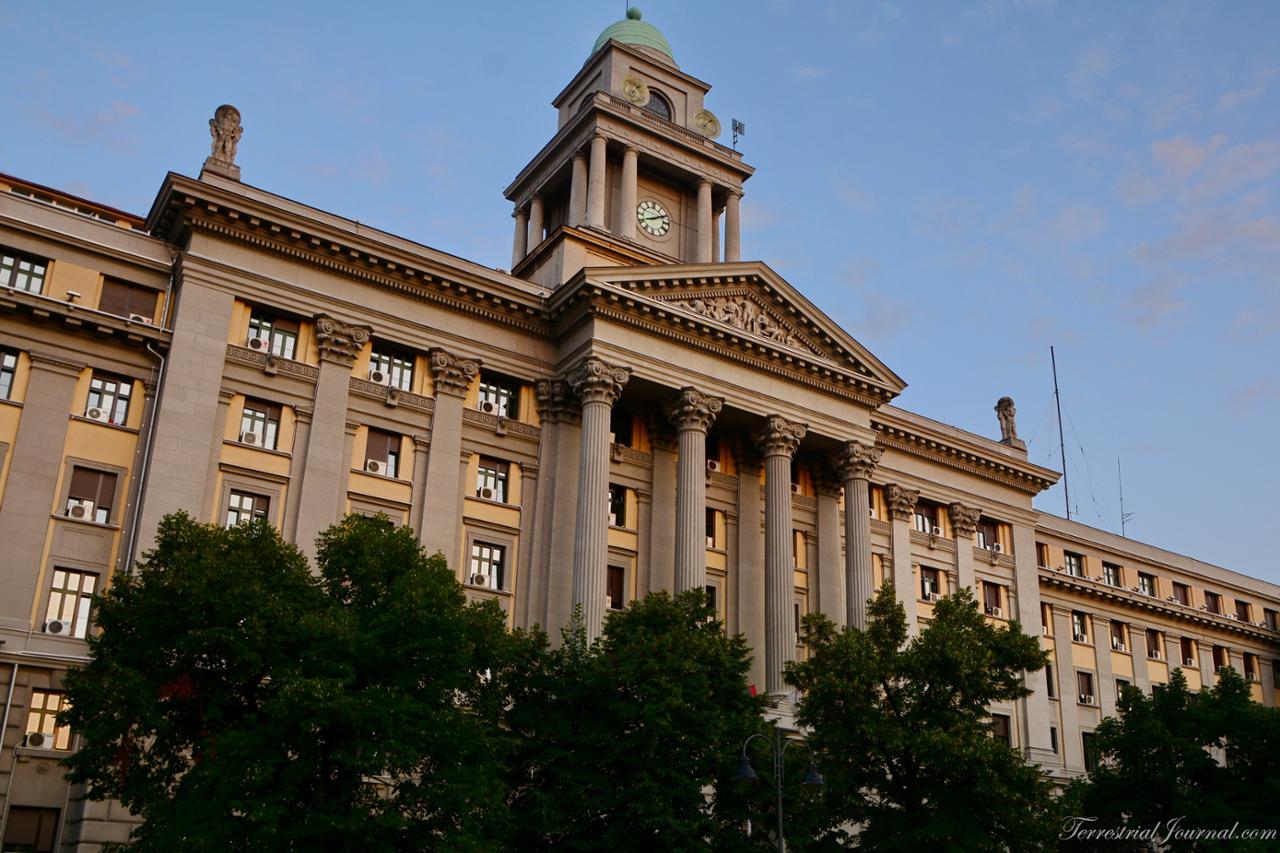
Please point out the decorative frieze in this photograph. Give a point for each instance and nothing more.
(391, 395)
(501, 424)
(902, 502)
(451, 373)
(340, 342)
(744, 313)
(857, 461)
(597, 381)
(271, 364)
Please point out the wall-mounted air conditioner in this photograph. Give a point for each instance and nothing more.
(38, 740)
(485, 493)
(375, 466)
(97, 413)
(479, 579)
(80, 508)
(996, 612)
(60, 627)
(378, 377)
(257, 344)
(936, 531)
(488, 407)
(1086, 699)
(713, 466)
(253, 439)
(1188, 661)
(139, 318)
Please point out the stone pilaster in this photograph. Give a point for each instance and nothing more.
(964, 524)
(1069, 744)
(662, 518)
(1106, 686)
(596, 182)
(598, 385)
(902, 508)
(550, 591)
(1036, 710)
(829, 582)
(749, 597)
(855, 463)
(692, 414)
(778, 441)
(441, 523)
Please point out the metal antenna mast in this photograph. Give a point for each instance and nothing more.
(1062, 444)
(1124, 516)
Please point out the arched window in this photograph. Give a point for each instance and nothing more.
(659, 105)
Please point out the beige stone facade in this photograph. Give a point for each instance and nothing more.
(632, 408)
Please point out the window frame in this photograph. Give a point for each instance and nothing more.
(1073, 564)
(930, 583)
(15, 266)
(1006, 725)
(391, 444)
(399, 365)
(1112, 574)
(8, 372)
(618, 506)
(988, 588)
(493, 474)
(501, 392)
(130, 294)
(237, 495)
(1158, 647)
(1120, 639)
(261, 412)
(618, 573)
(1181, 593)
(1080, 627)
(46, 717)
(280, 333)
(1085, 679)
(488, 558)
(78, 599)
(667, 110)
(112, 393)
(1147, 584)
(1213, 602)
(925, 518)
(101, 514)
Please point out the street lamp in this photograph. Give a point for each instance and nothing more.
(778, 747)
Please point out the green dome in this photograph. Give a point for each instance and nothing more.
(632, 30)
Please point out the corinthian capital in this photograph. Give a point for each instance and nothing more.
(857, 461)
(338, 341)
(555, 400)
(693, 410)
(597, 381)
(779, 436)
(452, 374)
(902, 502)
(964, 520)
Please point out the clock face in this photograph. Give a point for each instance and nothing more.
(653, 218)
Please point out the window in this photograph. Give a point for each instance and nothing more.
(491, 480)
(1053, 739)
(1187, 649)
(617, 506)
(8, 370)
(1090, 748)
(1219, 658)
(658, 105)
(621, 427)
(275, 335)
(1046, 619)
(498, 395)
(109, 398)
(488, 565)
(71, 599)
(1079, 627)
(1146, 583)
(988, 534)
(1051, 683)
(1111, 574)
(91, 495)
(260, 424)
(991, 595)
(926, 517)
(391, 367)
(1042, 555)
(244, 506)
(1121, 684)
(1251, 667)
(799, 550)
(30, 830)
(1212, 602)
(1084, 681)
(21, 272)
(1119, 636)
(1242, 610)
(929, 585)
(1073, 563)
(1001, 730)
(713, 597)
(617, 578)
(711, 524)
(382, 454)
(42, 717)
(1155, 648)
(795, 615)
(127, 300)
(1181, 593)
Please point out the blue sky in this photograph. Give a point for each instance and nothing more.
(960, 185)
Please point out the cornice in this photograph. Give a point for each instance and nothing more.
(77, 319)
(1028, 479)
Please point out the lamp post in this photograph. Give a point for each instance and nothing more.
(778, 747)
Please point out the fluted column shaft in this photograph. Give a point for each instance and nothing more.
(778, 442)
(856, 462)
(598, 384)
(535, 223)
(520, 242)
(692, 414)
(627, 202)
(703, 255)
(595, 182)
(732, 229)
(578, 190)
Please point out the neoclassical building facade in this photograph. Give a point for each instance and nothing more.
(632, 407)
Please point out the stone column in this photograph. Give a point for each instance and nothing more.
(964, 524)
(578, 189)
(596, 181)
(535, 223)
(662, 519)
(902, 507)
(1103, 674)
(520, 243)
(33, 482)
(598, 385)
(627, 202)
(703, 253)
(715, 237)
(692, 414)
(418, 495)
(302, 417)
(1069, 743)
(441, 523)
(829, 584)
(1036, 711)
(778, 441)
(328, 461)
(855, 463)
(749, 596)
(732, 229)
(552, 546)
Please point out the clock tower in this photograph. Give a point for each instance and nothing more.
(634, 175)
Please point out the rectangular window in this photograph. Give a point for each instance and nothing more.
(926, 517)
(382, 453)
(1119, 636)
(1042, 555)
(617, 506)
(621, 427)
(273, 334)
(991, 598)
(1212, 602)
(1111, 574)
(30, 830)
(1051, 683)
(91, 495)
(1079, 627)
(499, 395)
(1271, 619)
(796, 615)
(1220, 657)
(799, 550)
(109, 399)
(1046, 619)
(42, 717)
(930, 589)
(488, 565)
(391, 367)
(8, 370)
(491, 480)
(127, 300)
(1250, 667)
(1090, 748)
(617, 582)
(1121, 684)
(713, 597)
(70, 601)
(711, 519)
(1073, 563)
(1242, 610)
(244, 507)
(1053, 739)
(1187, 649)
(260, 424)
(1146, 583)
(1085, 682)
(1181, 593)
(988, 535)
(22, 272)
(1155, 645)
(1001, 730)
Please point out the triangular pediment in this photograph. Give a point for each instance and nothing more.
(756, 303)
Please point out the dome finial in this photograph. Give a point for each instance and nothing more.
(633, 13)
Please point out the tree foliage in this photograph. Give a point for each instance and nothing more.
(901, 729)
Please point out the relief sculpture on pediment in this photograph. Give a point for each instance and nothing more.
(744, 314)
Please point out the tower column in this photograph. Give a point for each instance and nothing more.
(692, 414)
(856, 462)
(627, 203)
(578, 189)
(595, 182)
(520, 242)
(703, 255)
(732, 225)
(778, 441)
(535, 223)
(598, 384)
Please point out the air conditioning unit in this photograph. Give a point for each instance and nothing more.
(713, 466)
(1232, 616)
(1154, 654)
(138, 318)
(711, 541)
(378, 377)
(38, 740)
(1117, 644)
(488, 407)
(936, 531)
(97, 413)
(613, 519)
(996, 612)
(1086, 699)
(795, 488)
(60, 627)
(253, 439)
(1044, 630)
(931, 596)
(258, 344)
(479, 579)
(1188, 661)
(485, 493)
(374, 466)
(80, 508)
(1080, 638)
(995, 546)
(871, 511)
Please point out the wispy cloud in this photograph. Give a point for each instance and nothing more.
(1182, 157)
(1264, 390)
(881, 315)
(1255, 89)
(1149, 304)
(111, 126)
(756, 216)
(1078, 222)
(855, 198)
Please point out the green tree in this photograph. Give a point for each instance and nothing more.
(237, 701)
(630, 742)
(902, 732)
